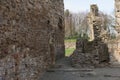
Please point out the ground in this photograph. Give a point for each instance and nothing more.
(66, 72)
(69, 46)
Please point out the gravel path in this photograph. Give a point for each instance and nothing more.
(66, 72)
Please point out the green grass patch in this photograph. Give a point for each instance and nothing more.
(69, 51)
(70, 40)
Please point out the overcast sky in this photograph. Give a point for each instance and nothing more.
(106, 6)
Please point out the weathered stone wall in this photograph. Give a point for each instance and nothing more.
(99, 45)
(114, 45)
(94, 22)
(31, 33)
(117, 15)
(95, 52)
(114, 49)
(99, 42)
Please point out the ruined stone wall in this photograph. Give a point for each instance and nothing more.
(56, 20)
(114, 45)
(114, 49)
(31, 32)
(117, 15)
(92, 53)
(95, 23)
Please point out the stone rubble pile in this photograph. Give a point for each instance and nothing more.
(88, 56)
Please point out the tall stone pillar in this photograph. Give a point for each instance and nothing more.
(94, 22)
(95, 25)
(117, 15)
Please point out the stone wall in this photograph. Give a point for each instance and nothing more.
(114, 45)
(96, 24)
(95, 52)
(114, 49)
(31, 34)
(117, 15)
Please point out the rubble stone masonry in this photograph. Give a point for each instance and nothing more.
(117, 15)
(31, 35)
(95, 52)
(114, 49)
(114, 45)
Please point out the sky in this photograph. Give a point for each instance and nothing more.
(107, 6)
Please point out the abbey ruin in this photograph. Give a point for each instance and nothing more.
(99, 49)
(32, 39)
(93, 52)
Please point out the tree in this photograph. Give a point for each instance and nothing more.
(76, 24)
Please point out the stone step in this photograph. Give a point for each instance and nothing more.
(118, 76)
(70, 70)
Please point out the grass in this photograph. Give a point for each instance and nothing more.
(69, 51)
(70, 40)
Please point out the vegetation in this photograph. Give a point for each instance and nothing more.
(71, 43)
(69, 51)
(76, 24)
(70, 40)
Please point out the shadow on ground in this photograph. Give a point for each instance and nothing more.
(65, 71)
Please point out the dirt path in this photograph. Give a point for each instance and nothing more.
(70, 44)
(66, 72)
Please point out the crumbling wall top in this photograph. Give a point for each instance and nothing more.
(94, 9)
